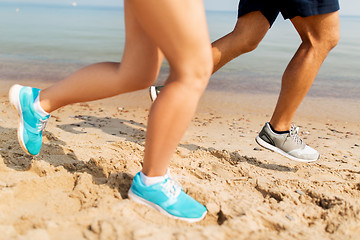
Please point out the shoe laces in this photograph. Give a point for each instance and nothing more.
(42, 125)
(172, 187)
(294, 134)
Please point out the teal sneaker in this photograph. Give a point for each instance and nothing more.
(31, 123)
(168, 198)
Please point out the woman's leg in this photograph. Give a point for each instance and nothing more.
(140, 67)
(138, 70)
(179, 28)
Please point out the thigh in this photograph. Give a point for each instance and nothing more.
(318, 27)
(177, 27)
(142, 58)
(251, 27)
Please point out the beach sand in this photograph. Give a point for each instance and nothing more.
(77, 187)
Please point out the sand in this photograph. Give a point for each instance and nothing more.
(77, 187)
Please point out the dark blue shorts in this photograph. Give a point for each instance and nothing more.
(288, 8)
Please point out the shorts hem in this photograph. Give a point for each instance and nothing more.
(312, 12)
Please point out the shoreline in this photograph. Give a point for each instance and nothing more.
(330, 108)
(232, 82)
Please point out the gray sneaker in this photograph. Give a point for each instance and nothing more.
(287, 144)
(154, 92)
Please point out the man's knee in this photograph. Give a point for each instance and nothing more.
(321, 31)
(250, 29)
(251, 44)
(333, 40)
(323, 43)
(244, 41)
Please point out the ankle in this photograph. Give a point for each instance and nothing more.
(39, 109)
(151, 180)
(279, 130)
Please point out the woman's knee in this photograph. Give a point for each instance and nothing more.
(141, 81)
(194, 73)
(139, 76)
(203, 69)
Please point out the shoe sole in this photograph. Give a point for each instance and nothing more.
(14, 93)
(278, 150)
(143, 201)
(153, 94)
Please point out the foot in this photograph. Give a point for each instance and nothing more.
(154, 92)
(168, 198)
(287, 144)
(31, 124)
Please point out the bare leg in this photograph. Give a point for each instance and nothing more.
(179, 28)
(250, 29)
(138, 70)
(319, 35)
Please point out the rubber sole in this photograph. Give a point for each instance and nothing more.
(143, 201)
(153, 93)
(278, 150)
(14, 93)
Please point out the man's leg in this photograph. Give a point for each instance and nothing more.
(319, 34)
(250, 29)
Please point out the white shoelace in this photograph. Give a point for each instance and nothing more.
(294, 134)
(42, 125)
(172, 187)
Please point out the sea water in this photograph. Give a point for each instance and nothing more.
(48, 42)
